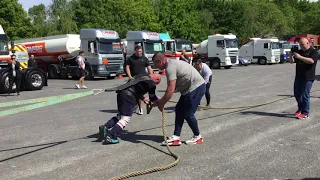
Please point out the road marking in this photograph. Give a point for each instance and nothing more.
(40, 102)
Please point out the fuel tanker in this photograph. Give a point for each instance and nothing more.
(57, 54)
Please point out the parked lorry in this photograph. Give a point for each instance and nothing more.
(57, 54)
(219, 50)
(261, 51)
(174, 47)
(32, 78)
(285, 48)
(313, 39)
(150, 42)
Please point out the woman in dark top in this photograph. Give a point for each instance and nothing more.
(14, 74)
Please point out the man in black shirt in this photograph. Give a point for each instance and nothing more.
(137, 64)
(306, 60)
(127, 99)
(32, 62)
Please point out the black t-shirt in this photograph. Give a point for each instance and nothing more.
(137, 91)
(137, 64)
(304, 70)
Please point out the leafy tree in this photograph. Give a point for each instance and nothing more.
(14, 20)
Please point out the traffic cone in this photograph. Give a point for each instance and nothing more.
(163, 72)
(120, 76)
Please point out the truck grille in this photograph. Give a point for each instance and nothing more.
(233, 59)
(114, 64)
(113, 67)
(233, 53)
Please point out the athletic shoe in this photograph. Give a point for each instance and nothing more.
(297, 113)
(303, 116)
(173, 141)
(195, 140)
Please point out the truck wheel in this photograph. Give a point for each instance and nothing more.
(88, 72)
(215, 64)
(227, 67)
(53, 72)
(5, 84)
(262, 61)
(35, 80)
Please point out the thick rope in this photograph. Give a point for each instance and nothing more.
(154, 169)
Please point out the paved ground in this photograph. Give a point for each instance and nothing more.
(56, 142)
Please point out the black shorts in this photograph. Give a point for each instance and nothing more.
(82, 73)
(125, 108)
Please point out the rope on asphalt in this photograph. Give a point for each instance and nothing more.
(154, 169)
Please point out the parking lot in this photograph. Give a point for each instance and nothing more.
(56, 141)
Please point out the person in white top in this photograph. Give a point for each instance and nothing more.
(81, 62)
(206, 73)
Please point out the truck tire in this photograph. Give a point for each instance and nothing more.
(215, 64)
(5, 84)
(35, 80)
(262, 61)
(227, 67)
(53, 72)
(89, 75)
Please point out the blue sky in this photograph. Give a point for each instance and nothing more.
(26, 4)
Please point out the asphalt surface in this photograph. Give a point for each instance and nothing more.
(266, 142)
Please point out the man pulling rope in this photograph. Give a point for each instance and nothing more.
(128, 96)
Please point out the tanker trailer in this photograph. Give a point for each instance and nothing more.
(57, 54)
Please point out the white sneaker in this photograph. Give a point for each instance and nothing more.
(195, 140)
(84, 87)
(140, 111)
(78, 86)
(172, 141)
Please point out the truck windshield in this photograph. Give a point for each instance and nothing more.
(3, 46)
(110, 48)
(285, 45)
(231, 43)
(151, 48)
(275, 45)
(187, 47)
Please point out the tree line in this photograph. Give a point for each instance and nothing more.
(188, 19)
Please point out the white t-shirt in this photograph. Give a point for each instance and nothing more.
(80, 61)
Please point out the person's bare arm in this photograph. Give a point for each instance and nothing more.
(169, 92)
(128, 71)
(150, 70)
(304, 59)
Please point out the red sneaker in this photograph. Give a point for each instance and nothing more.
(303, 116)
(297, 113)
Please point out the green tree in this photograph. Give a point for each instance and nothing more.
(38, 15)
(14, 20)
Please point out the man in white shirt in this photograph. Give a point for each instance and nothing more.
(81, 62)
(206, 73)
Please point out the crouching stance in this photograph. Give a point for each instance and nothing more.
(128, 96)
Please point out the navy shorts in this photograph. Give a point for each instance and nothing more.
(82, 73)
(125, 108)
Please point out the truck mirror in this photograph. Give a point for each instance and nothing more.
(92, 47)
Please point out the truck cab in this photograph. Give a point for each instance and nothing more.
(173, 47)
(103, 50)
(261, 51)
(220, 50)
(150, 42)
(285, 48)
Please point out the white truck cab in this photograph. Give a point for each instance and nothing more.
(220, 50)
(102, 48)
(174, 47)
(261, 51)
(150, 42)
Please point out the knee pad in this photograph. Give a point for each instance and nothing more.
(124, 120)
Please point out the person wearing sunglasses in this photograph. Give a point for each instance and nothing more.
(14, 75)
